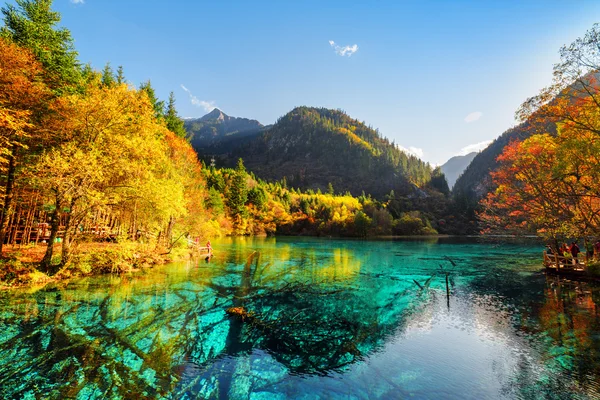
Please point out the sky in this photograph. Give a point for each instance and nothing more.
(439, 78)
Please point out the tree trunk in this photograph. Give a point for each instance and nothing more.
(67, 239)
(8, 195)
(31, 218)
(54, 225)
(133, 222)
(158, 239)
(14, 230)
(169, 233)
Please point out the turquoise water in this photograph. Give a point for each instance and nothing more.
(323, 319)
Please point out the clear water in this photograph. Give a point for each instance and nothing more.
(326, 319)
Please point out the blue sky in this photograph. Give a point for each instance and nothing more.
(435, 76)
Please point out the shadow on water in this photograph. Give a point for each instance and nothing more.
(323, 318)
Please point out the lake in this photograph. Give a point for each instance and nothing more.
(316, 318)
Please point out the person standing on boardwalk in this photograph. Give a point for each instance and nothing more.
(574, 252)
(209, 248)
(564, 251)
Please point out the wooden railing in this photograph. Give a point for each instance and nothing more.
(568, 262)
(201, 249)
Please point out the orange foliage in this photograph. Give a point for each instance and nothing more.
(23, 95)
(548, 184)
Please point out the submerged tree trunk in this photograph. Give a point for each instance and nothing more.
(46, 262)
(8, 195)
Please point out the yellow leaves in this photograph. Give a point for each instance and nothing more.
(354, 138)
(14, 125)
(16, 121)
(113, 152)
(348, 202)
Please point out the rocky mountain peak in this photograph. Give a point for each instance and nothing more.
(215, 115)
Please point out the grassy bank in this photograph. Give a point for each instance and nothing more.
(19, 265)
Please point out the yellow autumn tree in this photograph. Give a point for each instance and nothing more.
(113, 158)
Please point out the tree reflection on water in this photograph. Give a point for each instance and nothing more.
(136, 336)
(166, 333)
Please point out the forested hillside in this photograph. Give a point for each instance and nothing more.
(313, 147)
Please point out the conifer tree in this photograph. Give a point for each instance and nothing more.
(108, 76)
(214, 201)
(174, 123)
(120, 75)
(88, 75)
(158, 105)
(237, 195)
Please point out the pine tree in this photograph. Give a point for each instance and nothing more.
(258, 197)
(214, 201)
(237, 195)
(108, 76)
(158, 105)
(174, 123)
(88, 75)
(120, 75)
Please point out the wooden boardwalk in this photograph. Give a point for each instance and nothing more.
(567, 265)
(202, 250)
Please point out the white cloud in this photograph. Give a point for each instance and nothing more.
(415, 151)
(345, 50)
(474, 147)
(77, 1)
(474, 116)
(207, 105)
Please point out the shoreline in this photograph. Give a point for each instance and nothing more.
(18, 265)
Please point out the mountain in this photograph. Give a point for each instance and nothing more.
(216, 132)
(216, 115)
(312, 147)
(455, 166)
(476, 181)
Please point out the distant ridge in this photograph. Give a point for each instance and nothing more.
(455, 166)
(215, 131)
